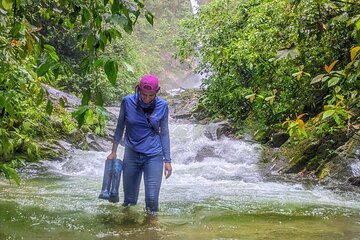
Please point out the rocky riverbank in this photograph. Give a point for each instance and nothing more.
(306, 161)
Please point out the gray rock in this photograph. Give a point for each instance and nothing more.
(354, 181)
(69, 99)
(278, 139)
(215, 130)
(98, 143)
(204, 152)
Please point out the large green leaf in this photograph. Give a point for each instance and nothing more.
(317, 79)
(85, 16)
(79, 114)
(86, 97)
(115, 7)
(98, 63)
(16, 29)
(51, 51)
(111, 70)
(101, 111)
(85, 65)
(328, 113)
(120, 19)
(40, 97)
(149, 17)
(89, 117)
(7, 4)
(44, 67)
(90, 42)
(10, 173)
(344, 17)
(9, 108)
(49, 107)
(333, 81)
(99, 99)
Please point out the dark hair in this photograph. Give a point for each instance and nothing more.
(137, 89)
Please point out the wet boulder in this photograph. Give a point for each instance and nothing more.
(278, 139)
(354, 181)
(204, 152)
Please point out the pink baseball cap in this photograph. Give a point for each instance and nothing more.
(149, 84)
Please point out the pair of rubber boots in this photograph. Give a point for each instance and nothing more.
(111, 180)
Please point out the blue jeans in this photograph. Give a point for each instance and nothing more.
(134, 165)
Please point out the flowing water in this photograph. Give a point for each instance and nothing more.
(216, 192)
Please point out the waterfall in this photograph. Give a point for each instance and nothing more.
(195, 80)
(194, 6)
(355, 166)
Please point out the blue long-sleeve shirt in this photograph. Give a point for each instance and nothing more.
(149, 138)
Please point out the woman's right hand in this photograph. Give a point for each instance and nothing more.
(112, 156)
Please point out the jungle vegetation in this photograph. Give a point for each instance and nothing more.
(275, 65)
(96, 50)
(279, 65)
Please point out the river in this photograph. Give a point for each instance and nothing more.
(217, 191)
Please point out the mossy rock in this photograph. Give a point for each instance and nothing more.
(325, 157)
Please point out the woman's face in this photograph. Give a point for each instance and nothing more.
(147, 97)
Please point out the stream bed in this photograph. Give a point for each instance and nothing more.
(216, 191)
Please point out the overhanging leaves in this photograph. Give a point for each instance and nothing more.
(99, 99)
(79, 114)
(10, 173)
(44, 67)
(86, 97)
(149, 17)
(49, 107)
(111, 70)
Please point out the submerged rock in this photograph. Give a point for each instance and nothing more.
(204, 152)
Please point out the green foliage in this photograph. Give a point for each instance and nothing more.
(28, 60)
(83, 47)
(341, 104)
(10, 173)
(93, 117)
(261, 67)
(21, 96)
(296, 126)
(111, 69)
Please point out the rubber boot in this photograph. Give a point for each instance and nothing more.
(105, 190)
(115, 181)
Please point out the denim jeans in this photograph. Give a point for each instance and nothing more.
(134, 165)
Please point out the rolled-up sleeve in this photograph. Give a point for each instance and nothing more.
(120, 124)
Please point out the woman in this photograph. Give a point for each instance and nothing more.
(144, 117)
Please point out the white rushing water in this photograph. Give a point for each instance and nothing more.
(216, 191)
(224, 173)
(194, 6)
(355, 167)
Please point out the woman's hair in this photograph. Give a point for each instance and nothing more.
(137, 89)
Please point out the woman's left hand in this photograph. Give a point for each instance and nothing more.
(167, 170)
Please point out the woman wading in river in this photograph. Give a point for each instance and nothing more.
(144, 118)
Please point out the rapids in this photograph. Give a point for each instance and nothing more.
(216, 191)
